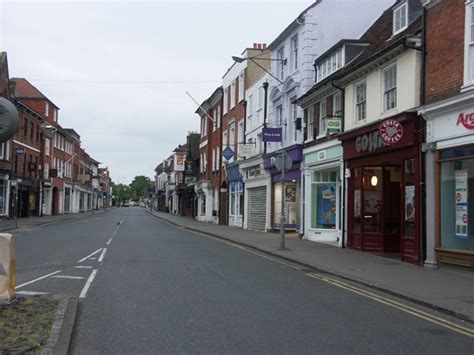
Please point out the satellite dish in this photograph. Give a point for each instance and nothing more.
(9, 121)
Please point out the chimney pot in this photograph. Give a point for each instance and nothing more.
(264, 46)
(254, 45)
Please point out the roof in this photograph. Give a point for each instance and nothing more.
(207, 102)
(25, 90)
(380, 39)
(296, 22)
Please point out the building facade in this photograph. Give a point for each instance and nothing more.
(448, 111)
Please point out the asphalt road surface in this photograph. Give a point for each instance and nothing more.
(147, 287)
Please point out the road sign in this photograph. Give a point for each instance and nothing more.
(19, 151)
(228, 153)
(283, 161)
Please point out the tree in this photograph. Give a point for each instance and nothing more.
(122, 193)
(139, 187)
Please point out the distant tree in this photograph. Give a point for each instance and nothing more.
(122, 193)
(139, 187)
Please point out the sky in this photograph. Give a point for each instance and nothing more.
(119, 70)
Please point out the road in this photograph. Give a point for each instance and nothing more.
(147, 287)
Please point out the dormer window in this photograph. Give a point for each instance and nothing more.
(400, 18)
(330, 64)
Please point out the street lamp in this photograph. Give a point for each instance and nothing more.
(241, 60)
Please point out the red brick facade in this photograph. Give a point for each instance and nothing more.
(445, 50)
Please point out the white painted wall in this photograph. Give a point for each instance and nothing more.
(408, 91)
(324, 25)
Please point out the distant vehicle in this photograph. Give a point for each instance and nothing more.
(126, 204)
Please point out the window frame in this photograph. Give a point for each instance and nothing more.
(392, 89)
(294, 52)
(398, 10)
(323, 117)
(233, 88)
(362, 103)
(310, 130)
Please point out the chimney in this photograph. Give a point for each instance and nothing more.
(264, 46)
(259, 46)
(255, 46)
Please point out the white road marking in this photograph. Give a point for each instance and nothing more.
(102, 255)
(88, 256)
(109, 241)
(68, 277)
(38, 279)
(123, 220)
(114, 233)
(88, 284)
(31, 293)
(83, 267)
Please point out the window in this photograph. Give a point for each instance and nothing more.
(330, 65)
(224, 139)
(226, 98)
(310, 131)
(470, 44)
(322, 117)
(261, 94)
(294, 52)
(46, 171)
(55, 115)
(241, 86)
(390, 87)
(3, 197)
(47, 146)
(249, 111)
(214, 123)
(46, 108)
(232, 94)
(232, 137)
(294, 115)
(218, 118)
(213, 160)
(400, 18)
(25, 127)
(361, 103)
(323, 200)
(203, 126)
(240, 135)
(280, 57)
(337, 105)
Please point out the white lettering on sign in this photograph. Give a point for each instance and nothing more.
(369, 142)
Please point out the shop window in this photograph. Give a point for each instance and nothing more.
(291, 204)
(357, 222)
(372, 184)
(457, 204)
(323, 200)
(3, 197)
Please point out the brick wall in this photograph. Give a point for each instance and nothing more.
(445, 50)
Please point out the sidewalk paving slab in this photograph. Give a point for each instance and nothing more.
(446, 289)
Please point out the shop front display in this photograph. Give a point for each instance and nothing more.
(450, 180)
(322, 166)
(383, 211)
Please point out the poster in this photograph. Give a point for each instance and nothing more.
(461, 198)
(410, 203)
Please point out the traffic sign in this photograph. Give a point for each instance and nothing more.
(283, 161)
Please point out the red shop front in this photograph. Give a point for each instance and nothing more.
(383, 212)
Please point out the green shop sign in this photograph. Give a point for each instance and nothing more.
(322, 155)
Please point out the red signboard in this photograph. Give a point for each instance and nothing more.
(391, 131)
(466, 120)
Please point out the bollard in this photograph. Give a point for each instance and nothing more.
(7, 268)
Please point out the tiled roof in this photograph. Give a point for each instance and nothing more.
(24, 89)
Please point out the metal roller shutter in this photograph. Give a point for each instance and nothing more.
(257, 208)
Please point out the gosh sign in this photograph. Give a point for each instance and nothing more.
(466, 120)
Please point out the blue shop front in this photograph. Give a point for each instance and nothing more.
(236, 195)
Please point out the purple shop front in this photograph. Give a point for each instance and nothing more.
(292, 188)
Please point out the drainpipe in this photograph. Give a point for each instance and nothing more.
(342, 187)
(245, 142)
(265, 89)
(422, 159)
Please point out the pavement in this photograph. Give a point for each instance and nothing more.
(31, 222)
(446, 289)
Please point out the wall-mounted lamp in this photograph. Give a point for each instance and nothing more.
(374, 181)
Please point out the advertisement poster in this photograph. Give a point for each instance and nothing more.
(410, 203)
(326, 205)
(179, 161)
(460, 177)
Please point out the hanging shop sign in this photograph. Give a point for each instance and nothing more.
(271, 134)
(391, 131)
(228, 153)
(333, 125)
(460, 178)
(246, 150)
(467, 120)
(179, 161)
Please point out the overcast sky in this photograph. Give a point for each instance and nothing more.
(119, 70)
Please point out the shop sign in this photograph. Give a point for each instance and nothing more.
(466, 120)
(461, 203)
(391, 131)
(228, 153)
(271, 134)
(179, 161)
(322, 155)
(369, 142)
(333, 125)
(246, 150)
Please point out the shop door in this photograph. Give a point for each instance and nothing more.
(67, 200)
(257, 214)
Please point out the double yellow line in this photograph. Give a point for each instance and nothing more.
(389, 302)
